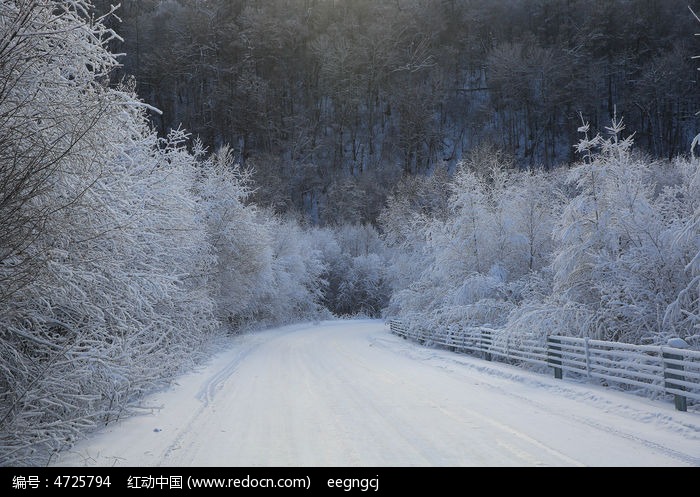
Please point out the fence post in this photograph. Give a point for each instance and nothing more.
(397, 328)
(671, 372)
(588, 357)
(554, 355)
(485, 342)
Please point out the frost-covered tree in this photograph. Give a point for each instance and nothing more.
(682, 317)
(616, 258)
(496, 231)
(117, 298)
(360, 282)
(268, 269)
(51, 107)
(354, 277)
(410, 210)
(298, 267)
(241, 243)
(608, 249)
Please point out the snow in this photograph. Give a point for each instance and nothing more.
(348, 393)
(678, 343)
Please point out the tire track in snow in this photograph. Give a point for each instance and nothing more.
(208, 392)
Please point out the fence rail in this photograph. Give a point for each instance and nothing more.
(659, 369)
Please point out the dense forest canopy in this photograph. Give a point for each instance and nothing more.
(326, 97)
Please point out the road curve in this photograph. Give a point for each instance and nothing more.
(348, 393)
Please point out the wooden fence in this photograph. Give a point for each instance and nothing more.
(661, 369)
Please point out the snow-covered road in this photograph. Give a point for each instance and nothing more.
(349, 393)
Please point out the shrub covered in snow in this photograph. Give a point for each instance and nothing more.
(608, 249)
